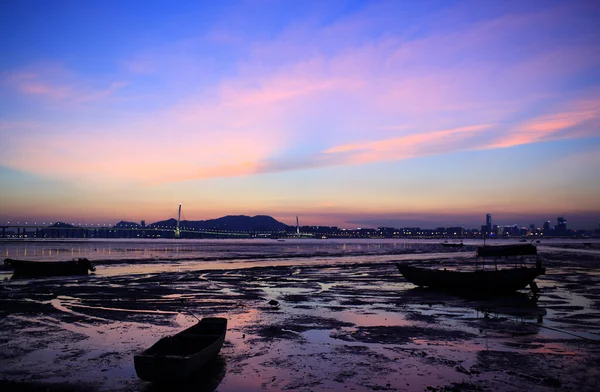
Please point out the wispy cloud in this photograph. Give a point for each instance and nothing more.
(407, 146)
(57, 84)
(578, 119)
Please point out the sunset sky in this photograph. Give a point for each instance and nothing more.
(347, 113)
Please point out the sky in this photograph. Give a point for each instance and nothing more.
(346, 113)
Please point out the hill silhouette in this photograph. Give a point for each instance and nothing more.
(229, 223)
(125, 224)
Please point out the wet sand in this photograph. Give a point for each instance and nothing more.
(345, 326)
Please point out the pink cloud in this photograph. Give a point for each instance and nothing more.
(57, 84)
(187, 142)
(410, 146)
(554, 126)
(30, 83)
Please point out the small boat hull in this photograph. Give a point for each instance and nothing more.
(452, 245)
(26, 268)
(489, 282)
(182, 356)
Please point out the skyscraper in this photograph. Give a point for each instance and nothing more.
(488, 223)
(562, 225)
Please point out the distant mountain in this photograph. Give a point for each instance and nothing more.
(230, 223)
(61, 224)
(168, 223)
(125, 224)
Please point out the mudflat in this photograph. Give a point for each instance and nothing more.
(331, 326)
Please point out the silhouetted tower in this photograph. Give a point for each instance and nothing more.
(297, 228)
(177, 231)
(488, 223)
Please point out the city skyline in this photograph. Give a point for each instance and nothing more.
(381, 223)
(345, 113)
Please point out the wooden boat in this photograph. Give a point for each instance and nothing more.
(452, 244)
(479, 281)
(28, 268)
(180, 357)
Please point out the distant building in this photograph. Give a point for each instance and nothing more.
(532, 227)
(488, 222)
(561, 227)
(547, 226)
(455, 231)
(143, 223)
(514, 230)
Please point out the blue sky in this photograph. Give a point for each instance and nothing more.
(345, 113)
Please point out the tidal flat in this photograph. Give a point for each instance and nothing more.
(345, 319)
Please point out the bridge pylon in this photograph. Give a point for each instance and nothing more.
(177, 231)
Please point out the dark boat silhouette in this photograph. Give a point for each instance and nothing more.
(479, 281)
(180, 357)
(452, 244)
(27, 268)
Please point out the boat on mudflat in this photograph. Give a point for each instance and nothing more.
(453, 244)
(480, 281)
(28, 268)
(180, 357)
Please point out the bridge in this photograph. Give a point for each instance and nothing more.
(65, 230)
(91, 231)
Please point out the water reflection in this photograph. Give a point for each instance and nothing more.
(521, 305)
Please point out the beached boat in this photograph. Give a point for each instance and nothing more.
(479, 280)
(452, 244)
(29, 268)
(180, 357)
